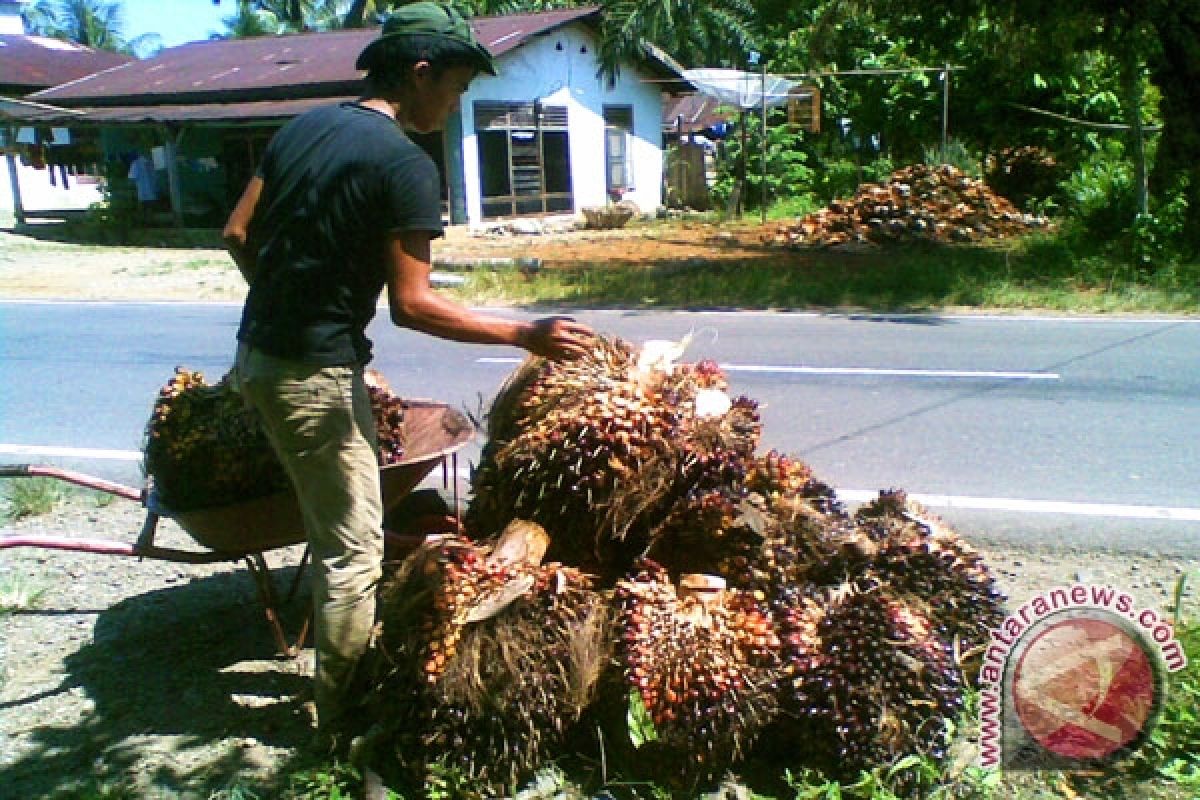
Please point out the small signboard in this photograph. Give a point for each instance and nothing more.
(804, 108)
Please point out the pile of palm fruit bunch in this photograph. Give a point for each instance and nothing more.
(1022, 173)
(482, 663)
(205, 448)
(643, 471)
(917, 203)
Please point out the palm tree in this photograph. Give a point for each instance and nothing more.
(695, 32)
(250, 21)
(92, 23)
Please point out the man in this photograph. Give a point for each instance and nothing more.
(141, 173)
(344, 205)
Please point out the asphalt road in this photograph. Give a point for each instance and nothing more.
(1079, 431)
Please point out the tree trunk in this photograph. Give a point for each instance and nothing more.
(354, 16)
(1131, 100)
(1177, 75)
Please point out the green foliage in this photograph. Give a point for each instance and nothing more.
(19, 592)
(447, 782)
(336, 781)
(840, 178)
(637, 718)
(31, 497)
(1173, 749)
(957, 154)
(911, 776)
(696, 33)
(1099, 200)
(787, 172)
(92, 23)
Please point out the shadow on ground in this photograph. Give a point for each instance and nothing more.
(80, 231)
(188, 697)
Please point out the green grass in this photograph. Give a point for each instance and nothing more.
(19, 592)
(31, 497)
(1037, 273)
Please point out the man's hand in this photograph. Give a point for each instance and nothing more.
(557, 338)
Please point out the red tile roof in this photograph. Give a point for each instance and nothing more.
(29, 63)
(272, 67)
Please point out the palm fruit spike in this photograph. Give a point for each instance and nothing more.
(867, 675)
(388, 410)
(704, 668)
(921, 557)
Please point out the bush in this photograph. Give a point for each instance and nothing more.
(841, 178)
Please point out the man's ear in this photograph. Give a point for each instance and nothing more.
(422, 70)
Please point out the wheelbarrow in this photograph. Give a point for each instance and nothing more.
(245, 531)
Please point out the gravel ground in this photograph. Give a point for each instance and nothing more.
(164, 675)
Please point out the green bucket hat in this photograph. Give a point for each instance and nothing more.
(427, 19)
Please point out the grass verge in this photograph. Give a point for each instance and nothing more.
(31, 497)
(1034, 273)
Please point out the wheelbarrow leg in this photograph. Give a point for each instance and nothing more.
(269, 598)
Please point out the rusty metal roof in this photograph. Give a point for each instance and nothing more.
(29, 63)
(284, 68)
(691, 113)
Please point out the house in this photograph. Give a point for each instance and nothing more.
(53, 165)
(547, 135)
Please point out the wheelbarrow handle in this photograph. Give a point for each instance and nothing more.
(77, 478)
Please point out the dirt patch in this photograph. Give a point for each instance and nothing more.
(33, 268)
(165, 676)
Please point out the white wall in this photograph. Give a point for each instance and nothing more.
(38, 194)
(567, 77)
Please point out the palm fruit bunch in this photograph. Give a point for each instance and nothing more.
(602, 449)
(491, 697)
(205, 448)
(592, 458)
(868, 679)
(703, 664)
(920, 557)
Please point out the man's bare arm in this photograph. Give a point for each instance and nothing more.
(413, 303)
(237, 228)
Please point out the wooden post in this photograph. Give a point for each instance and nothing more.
(762, 194)
(14, 180)
(945, 109)
(10, 136)
(174, 186)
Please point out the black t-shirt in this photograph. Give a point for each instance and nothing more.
(337, 181)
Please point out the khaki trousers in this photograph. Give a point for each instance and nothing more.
(319, 421)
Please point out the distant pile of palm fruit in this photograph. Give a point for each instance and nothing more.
(745, 604)
(205, 448)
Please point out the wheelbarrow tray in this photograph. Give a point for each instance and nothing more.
(432, 431)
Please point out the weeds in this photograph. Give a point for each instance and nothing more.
(19, 592)
(31, 497)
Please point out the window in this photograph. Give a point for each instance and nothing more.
(524, 159)
(618, 127)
